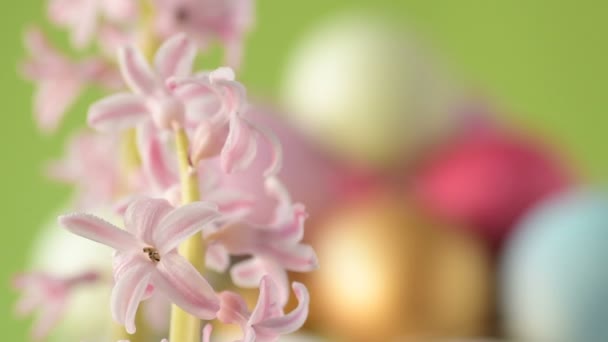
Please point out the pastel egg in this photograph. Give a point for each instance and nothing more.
(387, 272)
(486, 179)
(554, 274)
(362, 86)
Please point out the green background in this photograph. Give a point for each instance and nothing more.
(544, 62)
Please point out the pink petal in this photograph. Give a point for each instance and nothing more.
(52, 100)
(121, 205)
(234, 94)
(293, 320)
(233, 309)
(96, 229)
(143, 216)
(267, 305)
(27, 304)
(191, 89)
(183, 222)
(275, 188)
(174, 195)
(249, 273)
(48, 317)
(276, 148)
(233, 203)
(217, 258)
(234, 53)
(175, 57)
(117, 112)
(292, 232)
(136, 71)
(128, 292)
(154, 161)
(124, 261)
(157, 313)
(207, 333)
(240, 147)
(36, 43)
(84, 24)
(185, 286)
(207, 142)
(298, 258)
(222, 74)
(120, 10)
(250, 335)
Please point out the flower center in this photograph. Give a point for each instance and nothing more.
(182, 15)
(152, 254)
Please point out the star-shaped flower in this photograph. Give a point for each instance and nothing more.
(82, 17)
(150, 98)
(90, 164)
(59, 79)
(217, 110)
(208, 20)
(48, 293)
(275, 248)
(147, 259)
(267, 322)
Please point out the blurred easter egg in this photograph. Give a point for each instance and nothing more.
(486, 180)
(387, 272)
(311, 177)
(554, 274)
(360, 85)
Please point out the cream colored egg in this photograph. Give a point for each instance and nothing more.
(361, 85)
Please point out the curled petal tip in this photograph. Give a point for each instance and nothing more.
(222, 74)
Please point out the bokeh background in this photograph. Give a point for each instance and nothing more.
(541, 64)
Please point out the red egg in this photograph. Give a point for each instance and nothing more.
(486, 179)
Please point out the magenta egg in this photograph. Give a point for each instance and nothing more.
(487, 179)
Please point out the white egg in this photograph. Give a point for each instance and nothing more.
(363, 87)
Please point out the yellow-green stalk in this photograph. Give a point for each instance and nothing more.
(185, 327)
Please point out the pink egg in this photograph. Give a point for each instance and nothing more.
(311, 177)
(487, 179)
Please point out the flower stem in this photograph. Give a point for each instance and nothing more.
(185, 327)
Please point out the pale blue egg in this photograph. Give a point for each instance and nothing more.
(554, 272)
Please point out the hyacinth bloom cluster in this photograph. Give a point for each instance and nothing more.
(155, 153)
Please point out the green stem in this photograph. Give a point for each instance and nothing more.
(185, 327)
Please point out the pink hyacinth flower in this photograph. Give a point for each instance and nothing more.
(59, 79)
(82, 17)
(150, 99)
(208, 20)
(227, 131)
(48, 293)
(275, 248)
(90, 164)
(267, 322)
(146, 256)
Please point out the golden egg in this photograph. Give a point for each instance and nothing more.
(386, 271)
